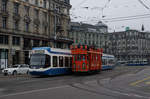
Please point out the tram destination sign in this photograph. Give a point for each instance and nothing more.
(38, 52)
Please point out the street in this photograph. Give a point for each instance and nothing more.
(123, 82)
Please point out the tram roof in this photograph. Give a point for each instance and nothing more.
(108, 55)
(53, 50)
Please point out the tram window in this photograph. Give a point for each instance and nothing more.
(83, 57)
(48, 61)
(70, 61)
(61, 61)
(111, 62)
(104, 61)
(79, 57)
(96, 57)
(66, 61)
(55, 61)
(87, 57)
(74, 57)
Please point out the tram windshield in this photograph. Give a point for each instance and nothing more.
(40, 61)
(37, 60)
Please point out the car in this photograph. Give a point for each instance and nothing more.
(16, 69)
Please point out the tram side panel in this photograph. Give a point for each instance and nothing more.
(86, 60)
(54, 61)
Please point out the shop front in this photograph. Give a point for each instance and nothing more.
(3, 58)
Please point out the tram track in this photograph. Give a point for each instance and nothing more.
(117, 91)
(78, 82)
(88, 88)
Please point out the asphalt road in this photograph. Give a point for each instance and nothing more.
(120, 83)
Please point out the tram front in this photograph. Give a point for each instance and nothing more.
(40, 63)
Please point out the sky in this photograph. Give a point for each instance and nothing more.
(135, 13)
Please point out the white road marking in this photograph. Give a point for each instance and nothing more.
(33, 91)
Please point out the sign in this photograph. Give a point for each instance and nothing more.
(3, 63)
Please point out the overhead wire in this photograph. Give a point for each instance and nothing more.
(133, 18)
(127, 17)
(82, 2)
(144, 4)
(122, 18)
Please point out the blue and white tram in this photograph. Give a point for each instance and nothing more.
(108, 61)
(50, 61)
(142, 62)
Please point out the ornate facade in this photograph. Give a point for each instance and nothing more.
(87, 34)
(32, 23)
(129, 45)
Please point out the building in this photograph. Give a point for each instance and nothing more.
(87, 34)
(31, 23)
(129, 45)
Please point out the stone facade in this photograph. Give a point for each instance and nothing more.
(32, 23)
(129, 45)
(87, 34)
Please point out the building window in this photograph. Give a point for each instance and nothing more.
(36, 2)
(45, 16)
(16, 40)
(4, 5)
(4, 22)
(44, 43)
(16, 58)
(27, 43)
(44, 3)
(3, 39)
(36, 43)
(16, 25)
(27, 10)
(36, 13)
(45, 29)
(16, 8)
(26, 26)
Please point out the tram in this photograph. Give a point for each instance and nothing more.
(86, 59)
(142, 62)
(108, 61)
(50, 61)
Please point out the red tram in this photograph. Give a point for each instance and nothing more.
(86, 59)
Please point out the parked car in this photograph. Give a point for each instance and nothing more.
(16, 69)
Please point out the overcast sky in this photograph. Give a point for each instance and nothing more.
(90, 11)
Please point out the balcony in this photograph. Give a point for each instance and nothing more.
(59, 28)
(27, 19)
(16, 16)
(36, 21)
(4, 13)
(62, 39)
